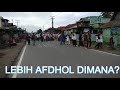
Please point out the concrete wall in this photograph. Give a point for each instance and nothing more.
(93, 37)
(106, 34)
(99, 20)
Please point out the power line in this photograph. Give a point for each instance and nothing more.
(54, 16)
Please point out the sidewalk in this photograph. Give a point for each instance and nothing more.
(8, 57)
(106, 48)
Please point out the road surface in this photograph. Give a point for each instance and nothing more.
(51, 53)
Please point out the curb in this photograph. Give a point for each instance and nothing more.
(15, 59)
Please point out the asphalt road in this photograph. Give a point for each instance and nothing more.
(53, 54)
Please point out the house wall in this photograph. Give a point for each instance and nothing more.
(99, 20)
(106, 34)
(119, 39)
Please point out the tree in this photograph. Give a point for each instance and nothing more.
(107, 14)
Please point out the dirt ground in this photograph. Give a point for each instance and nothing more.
(106, 48)
(8, 56)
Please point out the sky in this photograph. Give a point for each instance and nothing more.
(33, 21)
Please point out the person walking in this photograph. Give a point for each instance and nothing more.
(80, 40)
(68, 39)
(41, 37)
(85, 39)
(28, 39)
(74, 39)
(62, 39)
(88, 39)
(99, 41)
(33, 38)
(112, 42)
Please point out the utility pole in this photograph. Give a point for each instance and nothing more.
(12, 20)
(52, 22)
(43, 27)
(17, 21)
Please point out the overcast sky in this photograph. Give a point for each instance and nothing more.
(33, 21)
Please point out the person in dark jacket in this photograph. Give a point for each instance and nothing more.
(28, 39)
(88, 39)
(41, 37)
(33, 38)
(80, 40)
(62, 39)
(112, 42)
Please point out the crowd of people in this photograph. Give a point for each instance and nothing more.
(43, 37)
(83, 40)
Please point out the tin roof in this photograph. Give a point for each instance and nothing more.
(113, 22)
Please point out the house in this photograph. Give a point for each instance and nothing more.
(52, 30)
(95, 23)
(112, 28)
(70, 28)
(83, 24)
(3, 29)
(3, 23)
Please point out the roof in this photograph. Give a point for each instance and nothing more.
(4, 19)
(88, 18)
(62, 28)
(113, 23)
(69, 26)
(10, 24)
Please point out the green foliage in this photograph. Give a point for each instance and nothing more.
(107, 14)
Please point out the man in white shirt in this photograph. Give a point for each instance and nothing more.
(99, 40)
(74, 39)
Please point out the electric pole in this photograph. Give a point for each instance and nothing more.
(17, 21)
(43, 27)
(52, 22)
(12, 20)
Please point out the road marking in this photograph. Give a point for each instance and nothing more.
(47, 44)
(40, 45)
(105, 52)
(21, 58)
(44, 45)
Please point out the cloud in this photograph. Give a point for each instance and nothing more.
(35, 20)
(71, 17)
